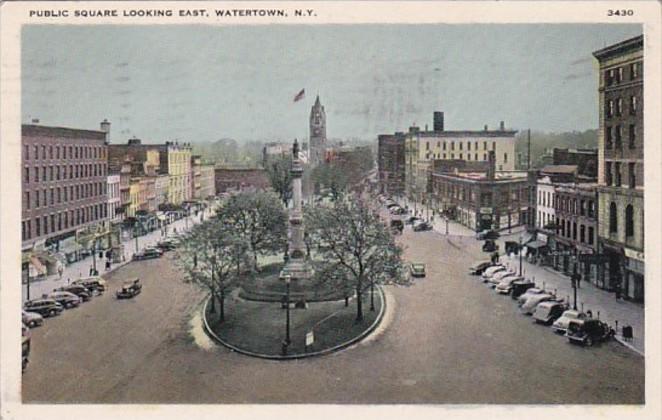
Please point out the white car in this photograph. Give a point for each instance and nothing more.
(561, 324)
(32, 319)
(506, 284)
(496, 278)
(532, 291)
(530, 305)
(487, 274)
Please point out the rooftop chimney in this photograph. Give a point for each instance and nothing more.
(35, 121)
(134, 142)
(502, 127)
(105, 127)
(485, 127)
(438, 121)
(491, 168)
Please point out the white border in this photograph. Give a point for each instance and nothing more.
(14, 15)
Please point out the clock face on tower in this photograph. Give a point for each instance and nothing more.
(316, 131)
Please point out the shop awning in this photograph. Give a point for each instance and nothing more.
(38, 266)
(536, 244)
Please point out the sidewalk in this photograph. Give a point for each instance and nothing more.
(603, 304)
(82, 268)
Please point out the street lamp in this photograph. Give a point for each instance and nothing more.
(286, 278)
(519, 250)
(575, 280)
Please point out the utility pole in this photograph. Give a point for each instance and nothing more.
(528, 153)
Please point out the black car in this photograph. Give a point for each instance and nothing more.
(167, 245)
(588, 332)
(488, 234)
(147, 254)
(519, 287)
(44, 307)
(480, 266)
(93, 284)
(79, 290)
(422, 226)
(490, 246)
(411, 220)
(129, 289)
(397, 226)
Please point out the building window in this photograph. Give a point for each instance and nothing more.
(50, 173)
(36, 152)
(609, 77)
(45, 219)
(444, 145)
(26, 175)
(613, 218)
(444, 155)
(460, 154)
(26, 152)
(609, 141)
(633, 105)
(452, 145)
(619, 75)
(608, 175)
(590, 235)
(460, 145)
(52, 196)
(574, 231)
(484, 145)
(619, 107)
(632, 136)
(632, 180)
(475, 156)
(38, 227)
(452, 155)
(468, 156)
(629, 221)
(582, 234)
(609, 108)
(505, 158)
(618, 137)
(493, 145)
(469, 146)
(427, 145)
(617, 173)
(26, 196)
(484, 156)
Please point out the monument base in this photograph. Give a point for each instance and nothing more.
(298, 269)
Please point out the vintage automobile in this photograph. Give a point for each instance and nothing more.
(588, 331)
(421, 226)
(167, 244)
(417, 269)
(479, 267)
(511, 247)
(66, 299)
(496, 278)
(561, 324)
(530, 292)
(129, 289)
(397, 226)
(490, 271)
(506, 284)
(518, 288)
(487, 234)
(547, 312)
(32, 319)
(44, 307)
(93, 284)
(411, 220)
(147, 253)
(529, 307)
(77, 289)
(490, 246)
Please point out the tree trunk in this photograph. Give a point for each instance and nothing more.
(222, 317)
(359, 304)
(213, 301)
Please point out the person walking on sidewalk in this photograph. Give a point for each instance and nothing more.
(60, 270)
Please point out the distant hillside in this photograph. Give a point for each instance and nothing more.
(228, 150)
(542, 142)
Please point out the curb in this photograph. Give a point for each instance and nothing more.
(338, 347)
(629, 346)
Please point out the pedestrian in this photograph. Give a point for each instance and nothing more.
(68, 281)
(589, 313)
(107, 265)
(91, 271)
(60, 270)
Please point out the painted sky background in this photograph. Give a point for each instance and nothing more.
(202, 83)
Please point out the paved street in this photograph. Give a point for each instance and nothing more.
(446, 339)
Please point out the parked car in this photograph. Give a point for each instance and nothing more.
(411, 220)
(506, 284)
(417, 269)
(32, 319)
(397, 210)
(44, 307)
(421, 226)
(490, 271)
(530, 292)
(549, 311)
(487, 234)
(588, 332)
(397, 225)
(66, 299)
(479, 267)
(497, 277)
(129, 289)
(530, 305)
(519, 287)
(391, 204)
(561, 324)
(167, 244)
(77, 289)
(93, 284)
(147, 253)
(511, 247)
(490, 246)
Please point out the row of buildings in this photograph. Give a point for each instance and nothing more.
(584, 211)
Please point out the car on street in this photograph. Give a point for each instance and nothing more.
(529, 307)
(588, 332)
(129, 289)
(411, 220)
(66, 299)
(519, 287)
(147, 253)
(397, 226)
(93, 284)
(561, 324)
(44, 307)
(487, 234)
(490, 271)
(417, 269)
(32, 319)
(421, 226)
(77, 289)
(479, 267)
(167, 244)
(549, 311)
(530, 292)
(506, 284)
(490, 246)
(497, 277)
(397, 210)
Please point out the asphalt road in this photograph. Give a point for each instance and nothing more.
(448, 339)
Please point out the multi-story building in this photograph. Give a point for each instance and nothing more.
(482, 199)
(240, 179)
(391, 163)
(422, 147)
(207, 182)
(64, 176)
(161, 183)
(546, 212)
(621, 166)
(114, 201)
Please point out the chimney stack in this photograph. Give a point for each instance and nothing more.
(105, 127)
(491, 168)
(35, 121)
(502, 126)
(438, 121)
(485, 127)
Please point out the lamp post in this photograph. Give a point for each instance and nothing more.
(286, 278)
(519, 250)
(574, 279)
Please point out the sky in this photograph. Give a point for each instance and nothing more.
(203, 83)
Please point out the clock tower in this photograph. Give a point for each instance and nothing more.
(317, 142)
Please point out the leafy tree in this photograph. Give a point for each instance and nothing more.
(259, 218)
(210, 258)
(356, 243)
(331, 177)
(280, 177)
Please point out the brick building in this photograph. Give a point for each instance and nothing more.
(586, 160)
(207, 182)
(621, 166)
(391, 163)
(239, 179)
(64, 177)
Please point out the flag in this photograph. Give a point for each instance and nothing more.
(300, 95)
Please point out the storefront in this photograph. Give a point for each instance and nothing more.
(633, 287)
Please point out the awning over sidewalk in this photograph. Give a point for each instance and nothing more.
(536, 244)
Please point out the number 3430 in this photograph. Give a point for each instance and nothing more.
(620, 12)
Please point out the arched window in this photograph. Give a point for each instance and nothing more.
(629, 221)
(613, 218)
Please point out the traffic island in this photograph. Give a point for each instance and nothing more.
(258, 328)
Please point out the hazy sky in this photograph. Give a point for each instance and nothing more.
(200, 83)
